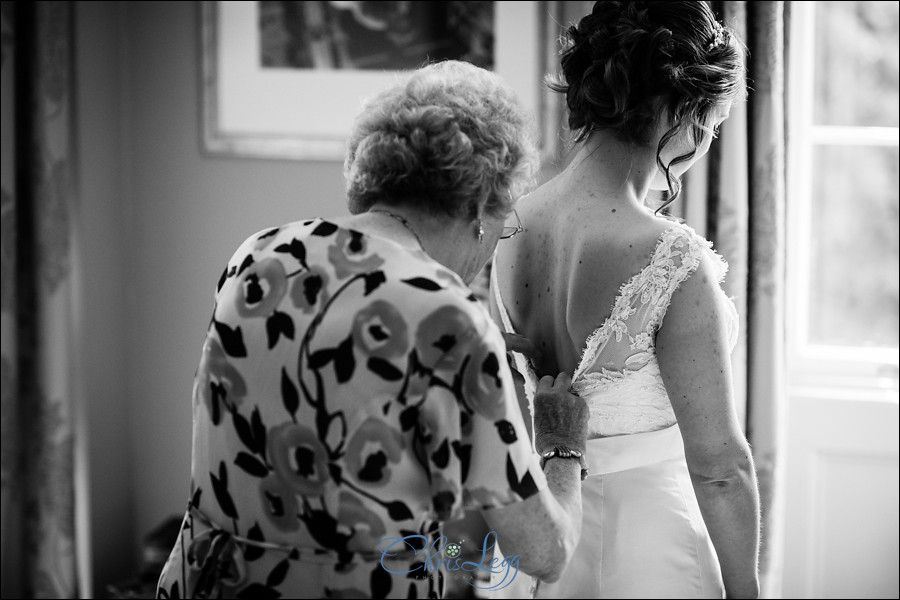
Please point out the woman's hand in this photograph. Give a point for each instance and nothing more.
(522, 345)
(544, 529)
(560, 417)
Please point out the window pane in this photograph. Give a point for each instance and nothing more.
(854, 271)
(857, 63)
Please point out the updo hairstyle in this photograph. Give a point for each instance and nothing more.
(452, 139)
(628, 64)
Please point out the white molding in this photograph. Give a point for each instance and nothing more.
(855, 136)
(799, 174)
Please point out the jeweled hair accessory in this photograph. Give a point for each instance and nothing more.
(718, 39)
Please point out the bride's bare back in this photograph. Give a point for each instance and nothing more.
(560, 278)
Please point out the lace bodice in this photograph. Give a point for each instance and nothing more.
(618, 375)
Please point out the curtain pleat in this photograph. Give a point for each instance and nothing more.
(39, 558)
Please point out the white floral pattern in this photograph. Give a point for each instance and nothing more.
(618, 374)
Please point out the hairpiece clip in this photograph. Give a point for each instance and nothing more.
(718, 38)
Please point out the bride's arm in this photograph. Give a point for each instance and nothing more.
(694, 360)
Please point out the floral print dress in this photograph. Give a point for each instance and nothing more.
(350, 391)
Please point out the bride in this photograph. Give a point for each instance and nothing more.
(630, 302)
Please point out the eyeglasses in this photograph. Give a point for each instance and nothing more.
(509, 231)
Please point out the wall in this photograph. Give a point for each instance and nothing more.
(100, 306)
(159, 220)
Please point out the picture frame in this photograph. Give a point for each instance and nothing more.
(306, 114)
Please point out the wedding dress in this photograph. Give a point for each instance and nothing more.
(643, 535)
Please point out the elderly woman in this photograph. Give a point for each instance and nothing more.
(352, 394)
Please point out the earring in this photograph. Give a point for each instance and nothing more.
(480, 231)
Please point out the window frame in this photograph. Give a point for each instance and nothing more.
(821, 366)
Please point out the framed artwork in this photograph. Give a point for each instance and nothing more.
(285, 79)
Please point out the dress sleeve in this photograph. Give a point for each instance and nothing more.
(473, 434)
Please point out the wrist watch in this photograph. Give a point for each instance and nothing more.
(565, 452)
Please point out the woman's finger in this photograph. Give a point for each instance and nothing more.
(563, 380)
(546, 383)
(521, 344)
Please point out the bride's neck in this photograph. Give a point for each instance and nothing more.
(614, 170)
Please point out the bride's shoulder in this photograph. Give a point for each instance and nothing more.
(636, 237)
(665, 245)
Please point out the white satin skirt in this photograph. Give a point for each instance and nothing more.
(642, 534)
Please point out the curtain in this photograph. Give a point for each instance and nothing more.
(739, 200)
(38, 533)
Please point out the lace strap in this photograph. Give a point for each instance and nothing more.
(676, 256)
(498, 299)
